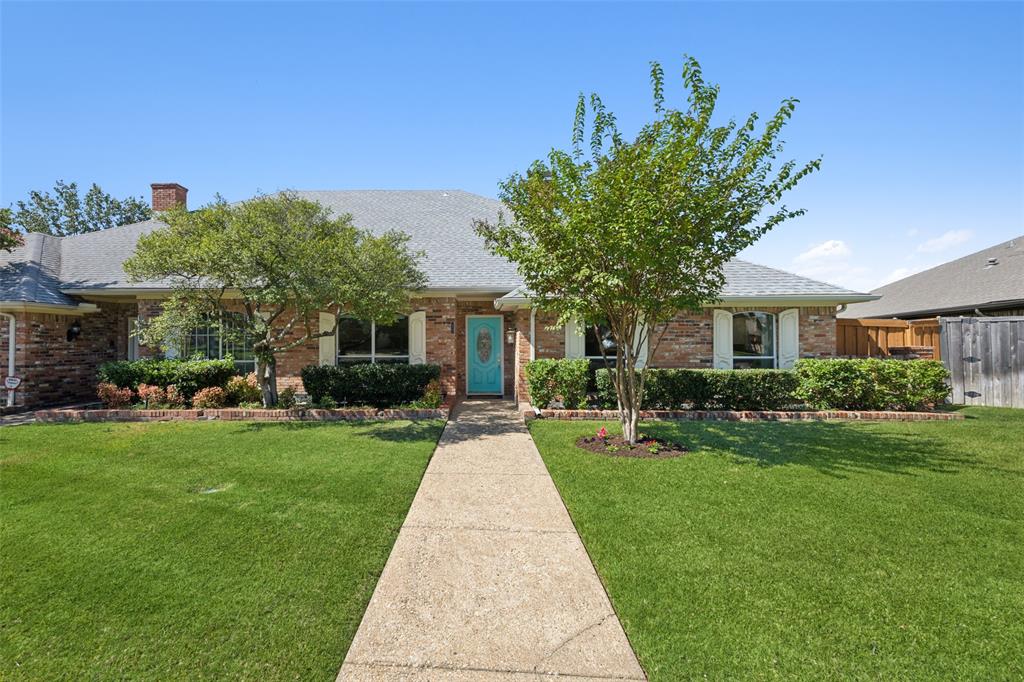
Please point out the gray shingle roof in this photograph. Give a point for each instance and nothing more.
(438, 222)
(963, 284)
(30, 273)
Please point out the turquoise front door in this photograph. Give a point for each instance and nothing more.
(483, 355)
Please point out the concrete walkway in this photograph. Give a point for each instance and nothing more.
(488, 579)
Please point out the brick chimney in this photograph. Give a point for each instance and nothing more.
(167, 195)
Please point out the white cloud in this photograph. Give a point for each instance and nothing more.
(945, 241)
(831, 249)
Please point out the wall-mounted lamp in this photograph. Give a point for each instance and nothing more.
(510, 336)
(451, 327)
(74, 330)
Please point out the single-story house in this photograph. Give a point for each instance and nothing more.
(71, 307)
(986, 283)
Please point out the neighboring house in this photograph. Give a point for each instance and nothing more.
(73, 308)
(989, 282)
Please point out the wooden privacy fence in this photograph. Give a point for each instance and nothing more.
(887, 338)
(985, 358)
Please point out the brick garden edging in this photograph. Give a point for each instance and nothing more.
(238, 414)
(750, 415)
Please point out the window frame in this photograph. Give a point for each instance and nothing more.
(246, 366)
(372, 357)
(775, 341)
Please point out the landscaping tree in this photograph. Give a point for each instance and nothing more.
(642, 229)
(8, 237)
(66, 212)
(262, 270)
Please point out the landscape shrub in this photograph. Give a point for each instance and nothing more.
(151, 396)
(188, 375)
(286, 398)
(173, 397)
(241, 389)
(380, 385)
(564, 380)
(210, 398)
(114, 397)
(703, 389)
(431, 396)
(872, 384)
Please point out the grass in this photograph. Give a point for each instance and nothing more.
(883, 551)
(196, 550)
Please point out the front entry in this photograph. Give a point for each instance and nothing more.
(484, 362)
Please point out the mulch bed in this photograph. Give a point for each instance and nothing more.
(647, 448)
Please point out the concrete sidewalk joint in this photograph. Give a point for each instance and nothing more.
(488, 579)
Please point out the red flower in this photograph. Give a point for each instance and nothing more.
(602, 433)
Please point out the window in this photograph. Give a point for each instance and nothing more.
(753, 341)
(207, 341)
(592, 343)
(361, 341)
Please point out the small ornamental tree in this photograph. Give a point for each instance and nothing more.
(261, 271)
(643, 228)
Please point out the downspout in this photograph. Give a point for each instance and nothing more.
(10, 354)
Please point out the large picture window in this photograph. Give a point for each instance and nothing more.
(208, 342)
(362, 341)
(753, 341)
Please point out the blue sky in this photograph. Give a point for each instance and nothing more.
(917, 108)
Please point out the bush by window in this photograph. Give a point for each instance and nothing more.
(377, 384)
(360, 341)
(872, 384)
(753, 341)
(189, 376)
(708, 389)
(558, 380)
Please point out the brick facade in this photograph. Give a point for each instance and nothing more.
(687, 340)
(55, 370)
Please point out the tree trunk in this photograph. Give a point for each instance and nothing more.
(266, 372)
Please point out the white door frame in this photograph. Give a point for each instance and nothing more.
(501, 351)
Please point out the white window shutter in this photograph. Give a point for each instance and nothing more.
(575, 344)
(418, 338)
(328, 344)
(789, 337)
(133, 339)
(642, 334)
(721, 330)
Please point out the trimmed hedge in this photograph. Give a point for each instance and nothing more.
(380, 385)
(189, 376)
(872, 384)
(708, 389)
(565, 380)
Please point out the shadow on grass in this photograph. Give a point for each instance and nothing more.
(834, 449)
(392, 431)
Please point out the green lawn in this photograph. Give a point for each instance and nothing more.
(811, 550)
(196, 550)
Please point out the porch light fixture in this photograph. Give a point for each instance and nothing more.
(74, 330)
(510, 336)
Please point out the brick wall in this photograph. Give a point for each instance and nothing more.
(441, 338)
(54, 370)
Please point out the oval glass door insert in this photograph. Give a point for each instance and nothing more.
(483, 344)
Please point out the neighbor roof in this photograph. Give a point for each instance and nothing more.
(988, 279)
(439, 223)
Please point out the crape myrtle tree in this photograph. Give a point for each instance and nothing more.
(262, 270)
(642, 229)
(9, 239)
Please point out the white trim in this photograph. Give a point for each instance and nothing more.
(787, 348)
(533, 333)
(372, 357)
(417, 337)
(721, 339)
(501, 351)
(11, 346)
(48, 308)
(775, 339)
(575, 339)
(133, 339)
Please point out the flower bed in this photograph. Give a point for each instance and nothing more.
(239, 414)
(749, 415)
